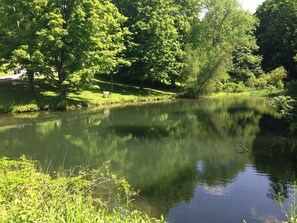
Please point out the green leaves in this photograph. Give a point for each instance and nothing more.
(21, 54)
(277, 34)
(28, 195)
(62, 38)
(194, 42)
(224, 28)
(160, 29)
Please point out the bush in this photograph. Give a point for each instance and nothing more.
(25, 108)
(28, 195)
(274, 79)
(251, 81)
(232, 87)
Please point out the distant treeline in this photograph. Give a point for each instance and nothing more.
(202, 46)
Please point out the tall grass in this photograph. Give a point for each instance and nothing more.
(29, 195)
(290, 210)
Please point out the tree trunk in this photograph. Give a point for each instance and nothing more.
(111, 81)
(141, 84)
(63, 94)
(30, 75)
(62, 77)
(62, 87)
(172, 80)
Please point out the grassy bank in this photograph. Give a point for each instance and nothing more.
(29, 195)
(16, 98)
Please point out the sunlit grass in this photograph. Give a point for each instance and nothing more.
(15, 97)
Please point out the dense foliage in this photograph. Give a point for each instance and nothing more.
(224, 28)
(68, 40)
(276, 34)
(202, 46)
(28, 195)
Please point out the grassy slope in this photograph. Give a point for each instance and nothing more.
(15, 96)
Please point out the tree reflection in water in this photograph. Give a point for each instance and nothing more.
(165, 150)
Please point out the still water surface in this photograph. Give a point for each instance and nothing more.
(193, 161)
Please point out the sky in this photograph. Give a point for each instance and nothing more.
(250, 5)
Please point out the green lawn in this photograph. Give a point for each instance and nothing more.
(16, 98)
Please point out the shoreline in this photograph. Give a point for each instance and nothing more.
(104, 104)
(138, 101)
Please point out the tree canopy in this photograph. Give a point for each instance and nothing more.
(62, 38)
(203, 45)
(224, 28)
(277, 34)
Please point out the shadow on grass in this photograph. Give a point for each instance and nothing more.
(126, 89)
(15, 95)
(124, 79)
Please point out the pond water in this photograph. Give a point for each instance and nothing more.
(193, 161)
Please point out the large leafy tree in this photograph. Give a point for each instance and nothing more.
(20, 20)
(245, 61)
(160, 52)
(160, 29)
(277, 34)
(62, 38)
(223, 28)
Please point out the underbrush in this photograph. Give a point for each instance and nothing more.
(29, 195)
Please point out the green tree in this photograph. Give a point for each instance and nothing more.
(160, 29)
(62, 39)
(224, 27)
(160, 51)
(277, 34)
(245, 62)
(20, 20)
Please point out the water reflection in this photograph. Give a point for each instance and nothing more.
(185, 156)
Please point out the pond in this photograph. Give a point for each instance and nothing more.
(194, 161)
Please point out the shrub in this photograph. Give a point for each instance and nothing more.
(274, 79)
(25, 108)
(28, 195)
(261, 82)
(251, 81)
(232, 87)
